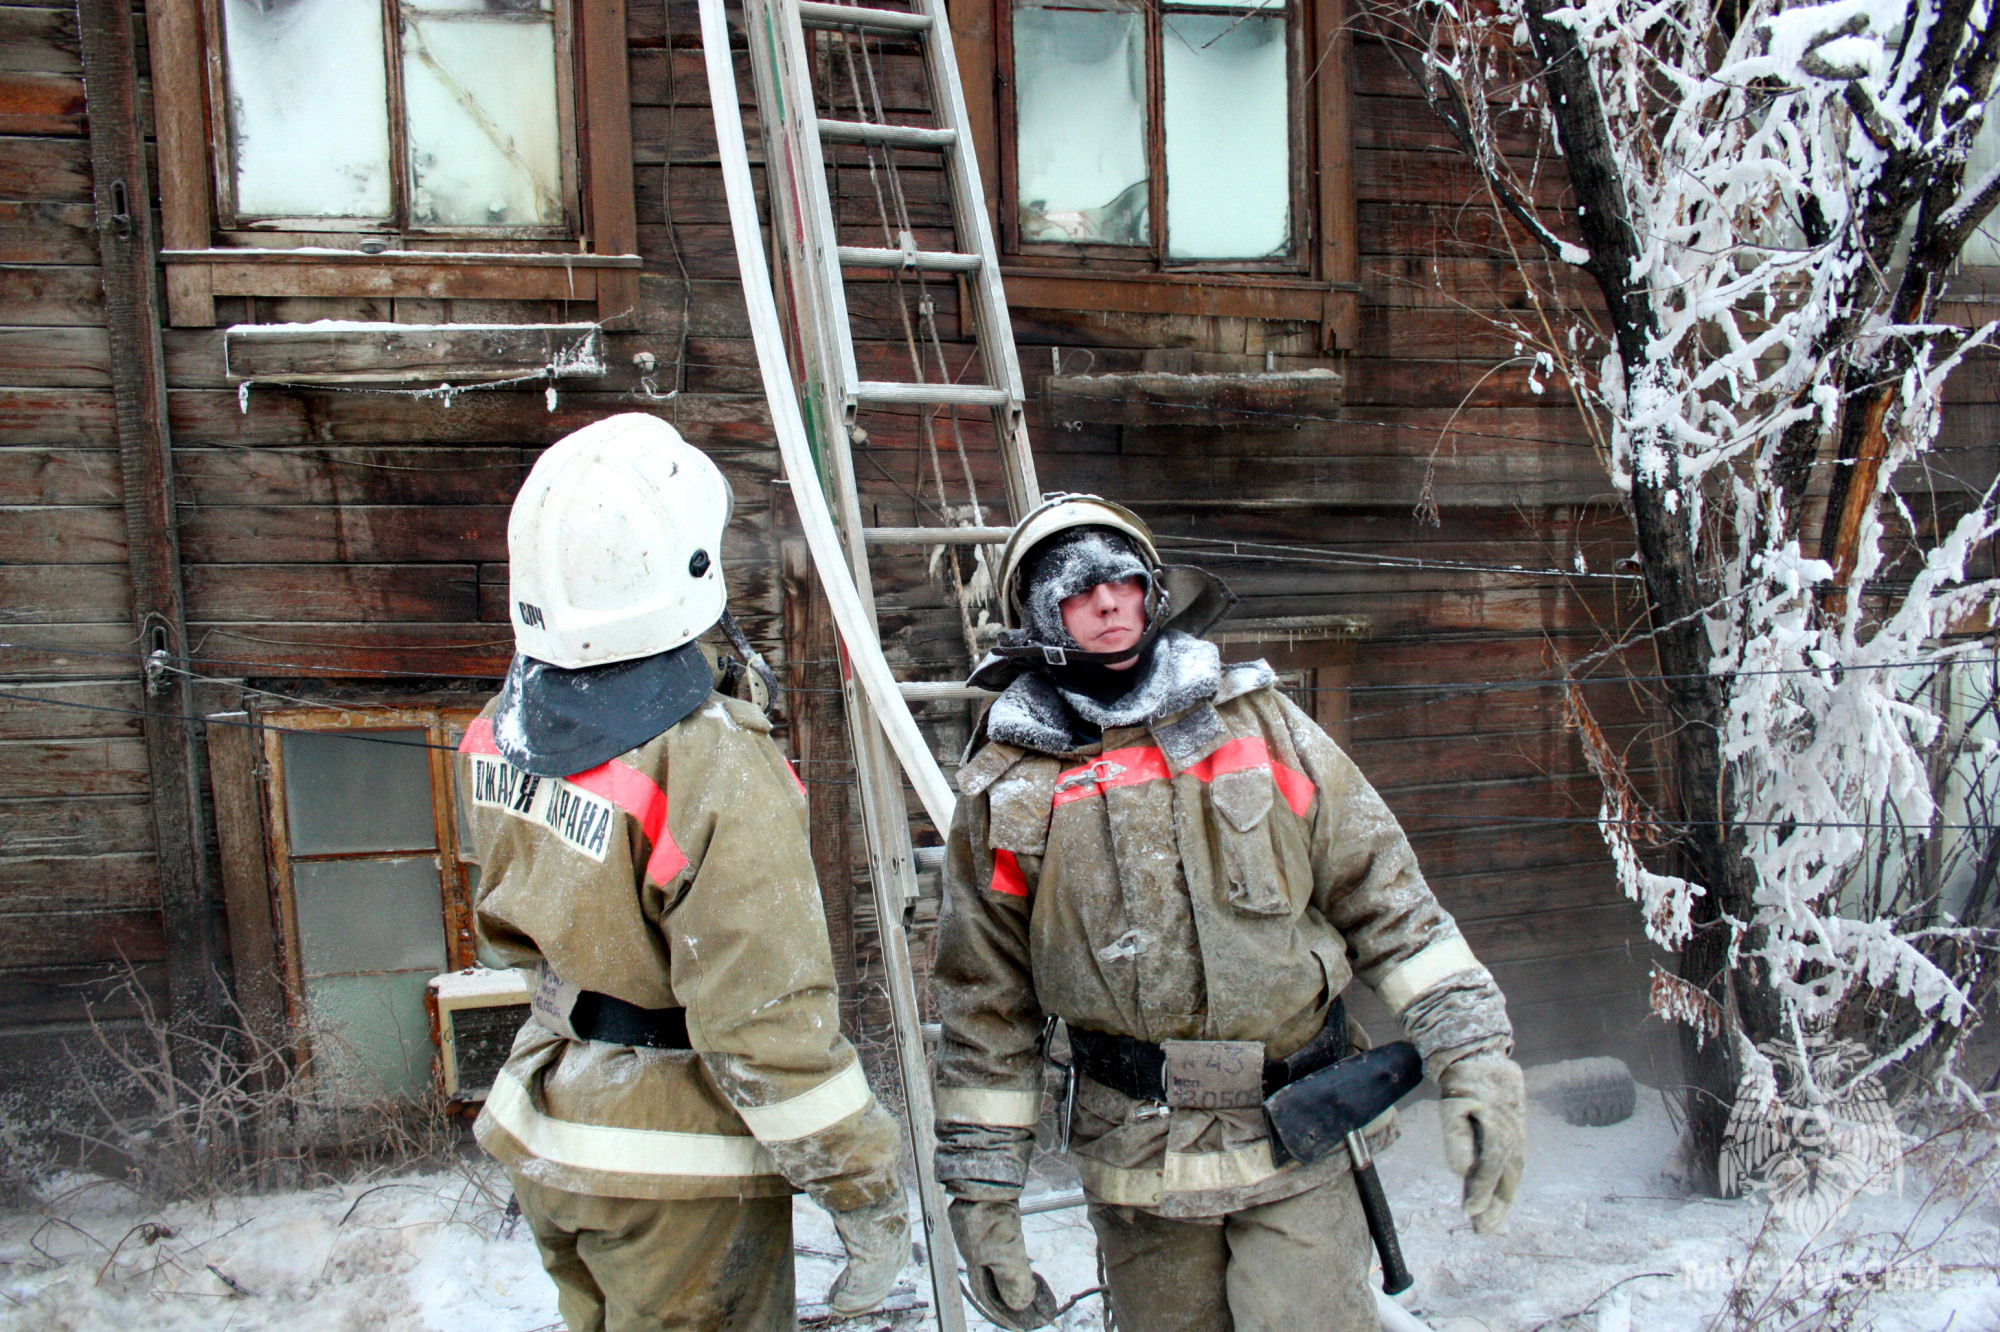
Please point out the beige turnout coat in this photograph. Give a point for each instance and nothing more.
(674, 876)
(1218, 875)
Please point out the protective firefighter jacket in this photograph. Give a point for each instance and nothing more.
(676, 875)
(1218, 874)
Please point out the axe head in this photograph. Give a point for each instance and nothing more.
(1314, 1115)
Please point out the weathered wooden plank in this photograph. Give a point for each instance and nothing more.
(109, 766)
(34, 232)
(66, 534)
(1374, 381)
(1502, 848)
(52, 357)
(76, 826)
(78, 938)
(65, 593)
(34, 39)
(1605, 971)
(58, 476)
(67, 295)
(287, 415)
(346, 534)
(1490, 479)
(33, 103)
(357, 650)
(429, 593)
(309, 353)
(71, 418)
(1553, 886)
(67, 651)
(48, 712)
(437, 282)
(1425, 760)
(1524, 936)
(1390, 227)
(78, 883)
(1442, 178)
(1423, 282)
(241, 843)
(41, 996)
(53, 169)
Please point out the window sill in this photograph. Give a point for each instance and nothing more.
(331, 352)
(196, 277)
(1228, 295)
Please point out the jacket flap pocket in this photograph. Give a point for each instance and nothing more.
(1018, 806)
(1242, 797)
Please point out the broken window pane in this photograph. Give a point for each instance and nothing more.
(369, 915)
(479, 83)
(308, 108)
(345, 794)
(1080, 105)
(1227, 138)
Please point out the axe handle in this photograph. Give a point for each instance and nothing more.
(1396, 1277)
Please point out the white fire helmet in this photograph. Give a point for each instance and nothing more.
(615, 545)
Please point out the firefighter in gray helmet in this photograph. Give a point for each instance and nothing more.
(643, 850)
(1158, 848)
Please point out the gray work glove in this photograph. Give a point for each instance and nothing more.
(1005, 1288)
(877, 1240)
(1485, 1116)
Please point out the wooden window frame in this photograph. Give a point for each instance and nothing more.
(1323, 283)
(442, 725)
(596, 260)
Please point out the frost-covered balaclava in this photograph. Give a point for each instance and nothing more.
(1068, 563)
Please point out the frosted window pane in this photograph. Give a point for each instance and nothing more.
(368, 915)
(1080, 103)
(1983, 245)
(308, 107)
(370, 1035)
(343, 794)
(485, 149)
(1228, 142)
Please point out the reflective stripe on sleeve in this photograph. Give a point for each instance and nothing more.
(811, 1111)
(622, 1150)
(1409, 978)
(620, 783)
(995, 1109)
(1145, 763)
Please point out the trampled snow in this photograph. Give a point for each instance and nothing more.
(1603, 1238)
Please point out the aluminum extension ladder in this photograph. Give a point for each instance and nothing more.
(816, 435)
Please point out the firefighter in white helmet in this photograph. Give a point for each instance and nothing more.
(643, 850)
(1168, 855)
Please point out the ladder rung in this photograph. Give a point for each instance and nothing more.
(896, 136)
(853, 16)
(940, 691)
(942, 395)
(940, 260)
(1052, 1202)
(937, 536)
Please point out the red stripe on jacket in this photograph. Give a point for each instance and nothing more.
(1007, 875)
(1145, 763)
(620, 783)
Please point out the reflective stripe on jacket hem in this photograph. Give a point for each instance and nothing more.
(1409, 978)
(628, 1151)
(994, 1109)
(1182, 1172)
(810, 1112)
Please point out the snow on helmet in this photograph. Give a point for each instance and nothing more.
(1059, 514)
(615, 545)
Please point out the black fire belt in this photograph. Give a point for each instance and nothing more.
(1139, 1068)
(602, 1017)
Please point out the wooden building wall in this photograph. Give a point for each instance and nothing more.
(332, 536)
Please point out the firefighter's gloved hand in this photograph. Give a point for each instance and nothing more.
(1485, 1133)
(1005, 1288)
(877, 1239)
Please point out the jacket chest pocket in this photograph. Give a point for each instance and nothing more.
(1018, 807)
(1252, 879)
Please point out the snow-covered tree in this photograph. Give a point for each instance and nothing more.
(1771, 199)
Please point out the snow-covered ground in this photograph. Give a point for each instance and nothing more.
(1602, 1239)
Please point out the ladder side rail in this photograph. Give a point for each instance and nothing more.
(886, 717)
(975, 236)
(801, 213)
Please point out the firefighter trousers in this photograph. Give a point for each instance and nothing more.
(635, 1265)
(1300, 1264)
